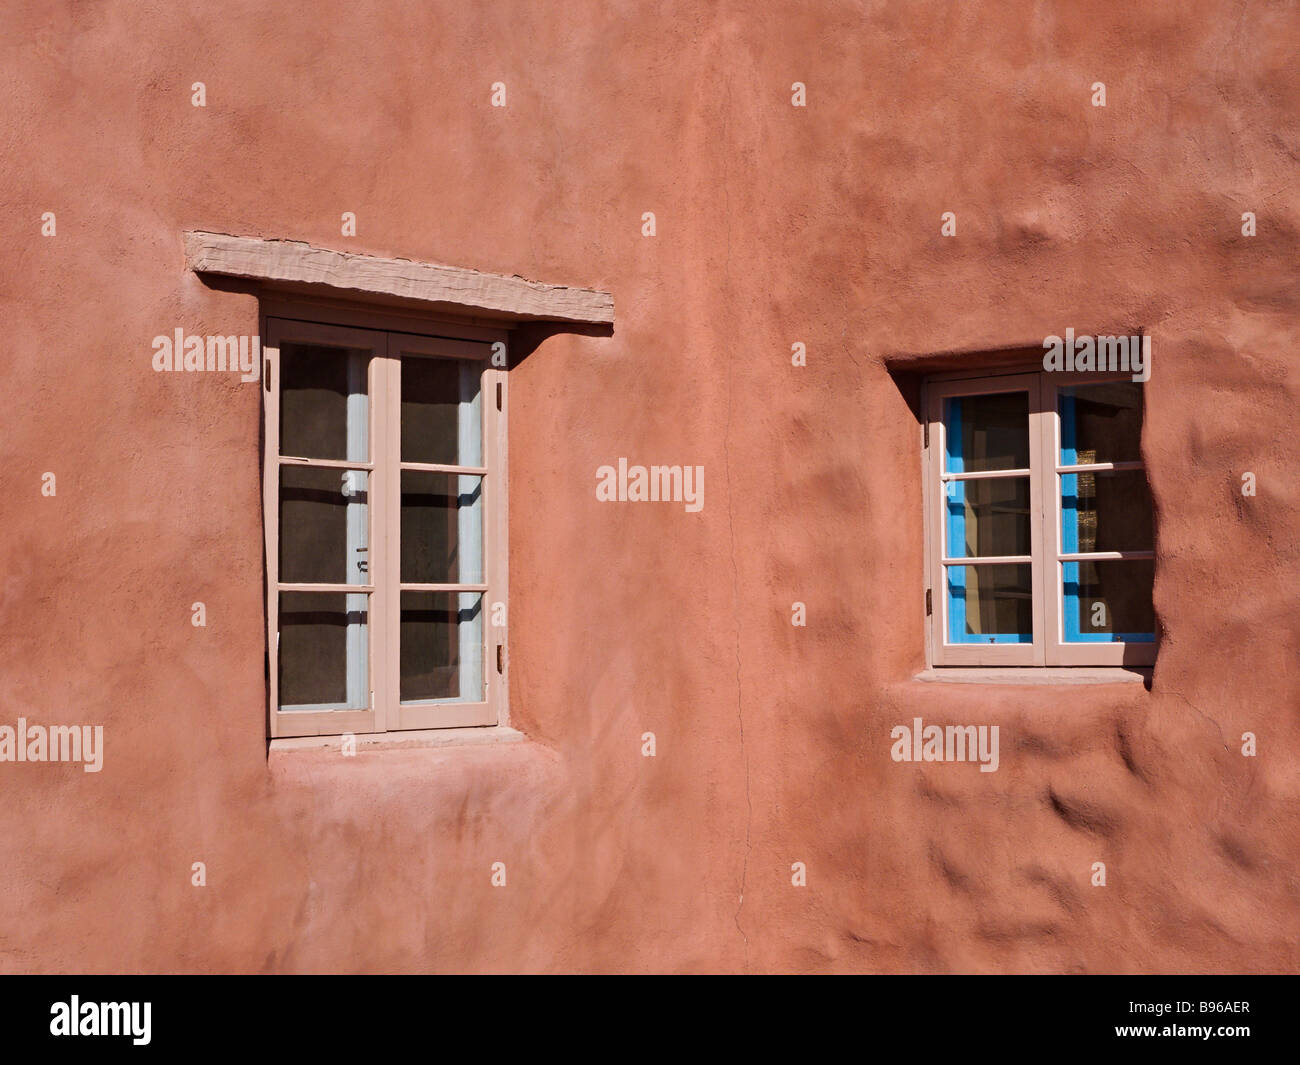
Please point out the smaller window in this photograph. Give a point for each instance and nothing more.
(1040, 538)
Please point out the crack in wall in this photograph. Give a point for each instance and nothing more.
(735, 570)
(1201, 713)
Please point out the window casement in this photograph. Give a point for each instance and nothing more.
(1040, 538)
(385, 509)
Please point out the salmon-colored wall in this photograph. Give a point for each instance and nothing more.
(775, 225)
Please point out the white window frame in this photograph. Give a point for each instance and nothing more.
(385, 712)
(1049, 646)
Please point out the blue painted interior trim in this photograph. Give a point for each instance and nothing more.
(955, 498)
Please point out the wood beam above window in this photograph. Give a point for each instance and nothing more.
(440, 288)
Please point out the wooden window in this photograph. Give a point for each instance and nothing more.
(384, 500)
(1040, 538)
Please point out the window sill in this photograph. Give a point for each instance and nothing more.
(1049, 675)
(442, 737)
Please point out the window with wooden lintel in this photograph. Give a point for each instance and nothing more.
(384, 500)
(1040, 533)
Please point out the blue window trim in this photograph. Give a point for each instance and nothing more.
(1070, 540)
(955, 499)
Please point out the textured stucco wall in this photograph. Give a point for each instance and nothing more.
(775, 225)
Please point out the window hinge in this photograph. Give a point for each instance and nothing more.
(499, 390)
(266, 375)
(928, 607)
(501, 658)
(926, 430)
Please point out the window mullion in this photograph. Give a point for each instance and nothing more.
(1047, 587)
(387, 598)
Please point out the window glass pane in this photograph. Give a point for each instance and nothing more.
(1106, 510)
(1108, 602)
(323, 647)
(441, 411)
(324, 527)
(324, 405)
(442, 647)
(990, 604)
(987, 432)
(442, 528)
(1101, 423)
(988, 517)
